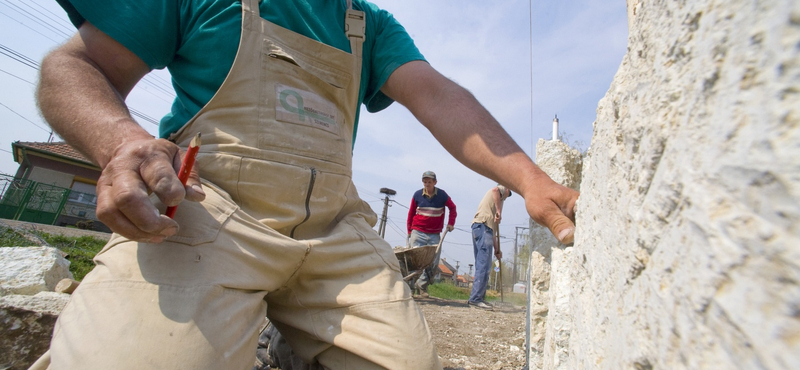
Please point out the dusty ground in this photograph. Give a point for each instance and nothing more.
(473, 339)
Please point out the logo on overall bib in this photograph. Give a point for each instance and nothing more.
(305, 108)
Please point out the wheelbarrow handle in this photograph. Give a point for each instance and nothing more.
(441, 240)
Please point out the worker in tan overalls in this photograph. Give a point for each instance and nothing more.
(277, 225)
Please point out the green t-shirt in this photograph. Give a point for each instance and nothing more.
(196, 40)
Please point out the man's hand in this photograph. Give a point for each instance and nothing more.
(449, 227)
(496, 243)
(497, 218)
(136, 169)
(553, 206)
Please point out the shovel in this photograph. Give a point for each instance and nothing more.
(500, 273)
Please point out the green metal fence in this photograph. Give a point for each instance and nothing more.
(32, 201)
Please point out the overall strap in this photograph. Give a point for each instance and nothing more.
(251, 6)
(354, 28)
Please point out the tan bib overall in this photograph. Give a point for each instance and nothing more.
(282, 232)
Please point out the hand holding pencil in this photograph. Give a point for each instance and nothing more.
(136, 170)
(186, 168)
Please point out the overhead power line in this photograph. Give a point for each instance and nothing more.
(53, 19)
(143, 116)
(44, 22)
(24, 14)
(35, 16)
(18, 57)
(401, 205)
(33, 123)
(18, 77)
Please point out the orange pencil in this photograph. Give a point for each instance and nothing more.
(186, 168)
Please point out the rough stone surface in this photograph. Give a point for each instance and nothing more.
(549, 306)
(561, 162)
(687, 253)
(29, 270)
(26, 326)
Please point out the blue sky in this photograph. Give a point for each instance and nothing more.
(573, 48)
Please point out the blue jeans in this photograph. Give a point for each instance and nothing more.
(418, 239)
(483, 247)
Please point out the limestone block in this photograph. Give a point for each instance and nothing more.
(29, 270)
(559, 161)
(559, 319)
(687, 251)
(26, 326)
(549, 314)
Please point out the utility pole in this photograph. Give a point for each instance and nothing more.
(382, 226)
(469, 274)
(455, 275)
(516, 236)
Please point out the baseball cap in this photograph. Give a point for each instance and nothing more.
(429, 174)
(503, 189)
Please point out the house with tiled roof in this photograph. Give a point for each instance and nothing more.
(49, 171)
(464, 280)
(55, 163)
(445, 272)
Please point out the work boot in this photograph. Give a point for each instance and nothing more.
(274, 352)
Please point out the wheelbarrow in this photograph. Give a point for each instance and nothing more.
(414, 260)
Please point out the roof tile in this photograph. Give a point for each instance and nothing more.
(59, 148)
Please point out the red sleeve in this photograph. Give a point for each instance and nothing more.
(412, 211)
(452, 211)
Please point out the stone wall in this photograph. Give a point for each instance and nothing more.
(687, 253)
(549, 317)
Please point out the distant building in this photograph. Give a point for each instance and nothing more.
(445, 271)
(464, 280)
(56, 164)
(54, 184)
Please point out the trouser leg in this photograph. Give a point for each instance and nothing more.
(419, 239)
(428, 276)
(195, 301)
(348, 307)
(42, 362)
(483, 245)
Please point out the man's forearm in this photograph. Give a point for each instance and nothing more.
(464, 127)
(82, 106)
(467, 130)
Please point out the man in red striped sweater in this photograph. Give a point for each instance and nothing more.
(426, 221)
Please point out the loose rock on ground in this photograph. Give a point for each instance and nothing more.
(473, 339)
